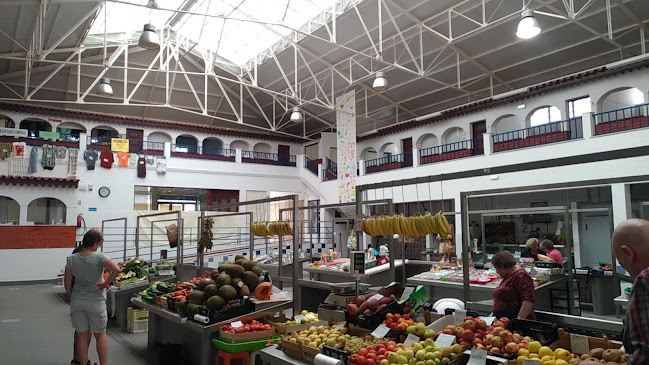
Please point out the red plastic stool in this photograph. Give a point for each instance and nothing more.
(231, 358)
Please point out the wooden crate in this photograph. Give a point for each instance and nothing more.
(308, 353)
(593, 342)
(291, 349)
(246, 336)
(285, 329)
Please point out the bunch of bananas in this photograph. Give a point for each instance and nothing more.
(418, 225)
(263, 229)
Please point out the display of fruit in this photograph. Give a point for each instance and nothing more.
(309, 317)
(253, 326)
(318, 336)
(416, 225)
(608, 356)
(364, 305)
(423, 352)
(263, 229)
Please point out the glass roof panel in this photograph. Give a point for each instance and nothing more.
(236, 30)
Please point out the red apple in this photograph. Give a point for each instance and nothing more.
(469, 324)
(495, 350)
(469, 318)
(498, 323)
(497, 342)
(467, 335)
(488, 338)
(476, 341)
(506, 321)
(449, 331)
(479, 336)
(517, 337)
(481, 324)
(465, 345)
(352, 309)
(497, 331)
(482, 332)
(480, 346)
(458, 331)
(511, 348)
(522, 345)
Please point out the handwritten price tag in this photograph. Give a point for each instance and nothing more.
(478, 357)
(579, 344)
(375, 297)
(407, 291)
(410, 340)
(489, 320)
(380, 331)
(299, 318)
(236, 324)
(531, 362)
(340, 325)
(444, 340)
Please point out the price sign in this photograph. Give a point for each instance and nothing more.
(531, 362)
(236, 324)
(489, 320)
(380, 331)
(411, 339)
(444, 340)
(299, 318)
(478, 357)
(579, 344)
(375, 297)
(340, 325)
(407, 291)
(119, 145)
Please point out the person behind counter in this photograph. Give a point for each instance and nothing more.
(532, 249)
(514, 297)
(548, 247)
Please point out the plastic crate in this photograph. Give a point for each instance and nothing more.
(234, 308)
(136, 327)
(372, 321)
(137, 315)
(544, 332)
(339, 354)
(242, 346)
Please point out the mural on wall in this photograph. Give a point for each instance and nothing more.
(346, 142)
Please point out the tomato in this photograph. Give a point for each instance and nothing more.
(381, 351)
(392, 348)
(360, 360)
(353, 358)
(363, 352)
(406, 316)
(372, 355)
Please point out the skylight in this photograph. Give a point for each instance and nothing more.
(237, 30)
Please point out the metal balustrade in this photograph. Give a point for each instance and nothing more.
(619, 120)
(564, 130)
(311, 165)
(330, 171)
(268, 158)
(386, 163)
(452, 151)
(203, 152)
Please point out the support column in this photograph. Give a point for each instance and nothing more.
(415, 157)
(237, 157)
(320, 172)
(361, 168)
(458, 224)
(486, 144)
(587, 125)
(167, 149)
(621, 197)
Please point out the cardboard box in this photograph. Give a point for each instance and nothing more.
(593, 343)
(292, 349)
(464, 357)
(331, 313)
(285, 329)
(246, 336)
(339, 299)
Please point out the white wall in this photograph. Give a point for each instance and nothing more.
(327, 141)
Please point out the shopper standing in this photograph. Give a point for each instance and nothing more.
(88, 295)
(548, 247)
(631, 248)
(514, 297)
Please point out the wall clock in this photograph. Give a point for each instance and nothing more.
(104, 191)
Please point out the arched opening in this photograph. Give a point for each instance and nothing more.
(427, 140)
(454, 134)
(6, 122)
(70, 131)
(212, 146)
(262, 147)
(506, 123)
(34, 126)
(103, 135)
(46, 211)
(620, 98)
(9, 211)
(186, 144)
(544, 115)
(160, 137)
(388, 149)
(240, 145)
(368, 153)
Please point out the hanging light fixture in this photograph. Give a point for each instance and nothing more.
(528, 27)
(149, 38)
(380, 82)
(104, 88)
(296, 116)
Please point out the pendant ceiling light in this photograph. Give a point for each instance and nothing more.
(380, 82)
(528, 27)
(296, 116)
(104, 88)
(149, 38)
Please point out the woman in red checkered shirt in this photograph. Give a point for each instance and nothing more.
(514, 297)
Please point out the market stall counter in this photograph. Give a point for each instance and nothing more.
(166, 327)
(118, 300)
(274, 356)
(377, 275)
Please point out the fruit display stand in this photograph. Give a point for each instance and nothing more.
(377, 275)
(196, 338)
(118, 300)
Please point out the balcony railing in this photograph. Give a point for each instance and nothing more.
(564, 130)
(65, 140)
(268, 158)
(391, 162)
(311, 165)
(621, 119)
(330, 171)
(203, 152)
(452, 151)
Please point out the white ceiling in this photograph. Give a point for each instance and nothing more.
(437, 55)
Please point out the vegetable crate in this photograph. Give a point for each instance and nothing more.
(140, 282)
(136, 327)
(246, 336)
(137, 315)
(565, 342)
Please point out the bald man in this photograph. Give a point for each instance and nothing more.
(631, 248)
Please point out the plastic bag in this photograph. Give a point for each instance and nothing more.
(172, 235)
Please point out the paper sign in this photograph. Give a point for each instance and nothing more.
(444, 340)
(119, 145)
(579, 344)
(478, 357)
(13, 132)
(299, 318)
(489, 320)
(531, 361)
(407, 291)
(236, 324)
(411, 339)
(340, 325)
(375, 297)
(380, 331)
(49, 135)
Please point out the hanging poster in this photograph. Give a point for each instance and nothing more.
(119, 144)
(346, 142)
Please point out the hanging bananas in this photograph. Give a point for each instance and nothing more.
(263, 229)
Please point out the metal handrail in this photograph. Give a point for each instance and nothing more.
(311, 165)
(617, 120)
(269, 157)
(563, 130)
(452, 151)
(330, 167)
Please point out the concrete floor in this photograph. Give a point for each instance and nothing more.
(35, 328)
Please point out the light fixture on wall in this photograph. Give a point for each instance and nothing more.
(104, 88)
(296, 115)
(380, 82)
(149, 38)
(528, 27)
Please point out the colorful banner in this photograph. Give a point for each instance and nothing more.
(13, 132)
(119, 145)
(346, 138)
(49, 135)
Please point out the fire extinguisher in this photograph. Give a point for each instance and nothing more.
(79, 220)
